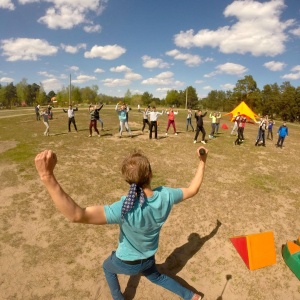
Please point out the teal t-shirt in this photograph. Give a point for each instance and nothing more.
(140, 228)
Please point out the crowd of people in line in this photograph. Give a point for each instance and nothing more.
(265, 125)
(150, 123)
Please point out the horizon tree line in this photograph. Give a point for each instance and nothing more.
(276, 101)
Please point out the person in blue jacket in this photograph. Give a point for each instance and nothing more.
(122, 112)
(282, 132)
(140, 216)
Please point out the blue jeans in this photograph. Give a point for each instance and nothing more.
(113, 266)
(189, 122)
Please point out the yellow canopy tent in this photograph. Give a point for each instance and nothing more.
(244, 110)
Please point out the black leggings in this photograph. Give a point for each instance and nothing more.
(153, 124)
(200, 128)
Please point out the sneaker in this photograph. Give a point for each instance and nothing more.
(166, 133)
(210, 136)
(98, 135)
(176, 133)
(203, 142)
(195, 142)
(90, 135)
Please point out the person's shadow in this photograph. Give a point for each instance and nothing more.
(175, 262)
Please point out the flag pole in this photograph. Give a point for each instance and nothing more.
(70, 91)
(186, 94)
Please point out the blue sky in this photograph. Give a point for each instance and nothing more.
(149, 45)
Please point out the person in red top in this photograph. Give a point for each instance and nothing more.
(171, 120)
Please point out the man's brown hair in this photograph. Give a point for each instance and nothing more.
(136, 169)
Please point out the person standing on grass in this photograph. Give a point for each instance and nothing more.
(218, 119)
(171, 120)
(235, 124)
(145, 113)
(71, 116)
(270, 129)
(123, 118)
(261, 132)
(93, 120)
(45, 116)
(282, 132)
(199, 119)
(50, 112)
(97, 116)
(153, 115)
(189, 120)
(140, 216)
(241, 126)
(213, 118)
(37, 112)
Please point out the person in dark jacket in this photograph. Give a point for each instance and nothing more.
(97, 115)
(199, 119)
(93, 120)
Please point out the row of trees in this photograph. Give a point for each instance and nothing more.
(274, 100)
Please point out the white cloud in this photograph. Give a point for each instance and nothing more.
(295, 75)
(258, 30)
(46, 74)
(208, 88)
(151, 63)
(133, 76)
(26, 49)
(189, 59)
(83, 78)
(164, 78)
(73, 49)
(120, 69)
(163, 90)
(74, 68)
(227, 86)
(66, 14)
(199, 81)
(6, 79)
(7, 4)
(295, 31)
(28, 1)
(51, 84)
(92, 28)
(113, 82)
(228, 68)
(98, 70)
(136, 92)
(274, 65)
(108, 52)
(64, 17)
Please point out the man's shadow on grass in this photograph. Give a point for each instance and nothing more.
(175, 262)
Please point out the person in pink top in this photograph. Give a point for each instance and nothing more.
(241, 126)
(171, 120)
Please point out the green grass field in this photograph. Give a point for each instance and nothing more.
(248, 189)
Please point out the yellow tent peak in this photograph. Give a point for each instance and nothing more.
(243, 109)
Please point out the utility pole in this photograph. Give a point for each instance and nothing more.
(186, 94)
(70, 100)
